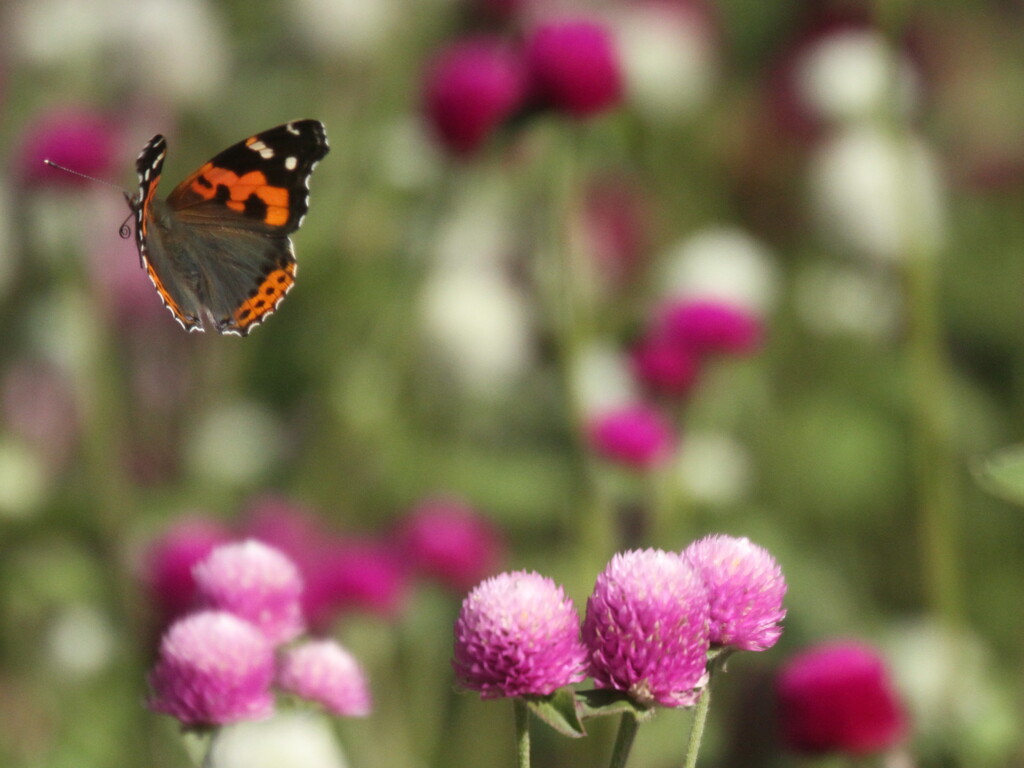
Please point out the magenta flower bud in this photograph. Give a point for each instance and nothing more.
(647, 628)
(358, 574)
(712, 328)
(838, 697)
(324, 672)
(213, 668)
(518, 635)
(255, 582)
(450, 541)
(168, 564)
(573, 67)
(745, 588)
(77, 138)
(637, 437)
(471, 88)
(664, 367)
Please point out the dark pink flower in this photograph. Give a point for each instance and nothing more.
(357, 575)
(573, 67)
(647, 628)
(664, 367)
(745, 588)
(450, 541)
(471, 88)
(255, 582)
(838, 697)
(518, 635)
(324, 672)
(168, 563)
(213, 668)
(636, 436)
(712, 328)
(76, 137)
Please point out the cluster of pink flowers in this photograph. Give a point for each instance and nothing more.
(221, 663)
(650, 622)
(477, 85)
(667, 361)
(442, 539)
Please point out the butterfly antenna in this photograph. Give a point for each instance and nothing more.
(60, 167)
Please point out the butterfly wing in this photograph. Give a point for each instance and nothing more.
(263, 180)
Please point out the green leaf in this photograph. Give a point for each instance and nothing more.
(604, 702)
(1002, 474)
(559, 711)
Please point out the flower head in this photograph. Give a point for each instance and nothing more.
(635, 436)
(450, 541)
(745, 589)
(647, 628)
(170, 559)
(213, 668)
(573, 67)
(665, 367)
(255, 582)
(471, 88)
(77, 138)
(324, 672)
(518, 635)
(838, 697)
(712, 327)
(357, 574)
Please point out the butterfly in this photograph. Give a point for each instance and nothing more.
(217, 249)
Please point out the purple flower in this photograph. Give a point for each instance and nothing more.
(450, 541)
(664, 367)
(170, 559)
(358, 574)
(518, 635)
(647, 628)
(471, 88)
(213, 668)
(838, 697)
(256, 583)
(745, 588)
(573, 67)
(635, 436)
(76, 137)
(712, 328)
(324, 672)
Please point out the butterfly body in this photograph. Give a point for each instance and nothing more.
(218, 249)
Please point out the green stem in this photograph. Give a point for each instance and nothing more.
(700, 718)
(624, 740)
(522, 714)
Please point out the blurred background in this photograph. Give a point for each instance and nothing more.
(483, 277)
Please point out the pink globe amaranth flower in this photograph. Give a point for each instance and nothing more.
(449, 540)
(471, 88)
(213, 668)
(573, 67)
(647, 628)
(324, 672)
(838, 697)
(518, 635)
(712, 328)
(76, 137)
(663, 367)
(255, 582)
(636, 436)
(357, 575)
(168, 563)
(745, 589)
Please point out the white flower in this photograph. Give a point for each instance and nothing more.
(287, 740)
(879, 193)
(722, 263)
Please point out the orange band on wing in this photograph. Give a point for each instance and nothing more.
(240, 191)
(266, 298)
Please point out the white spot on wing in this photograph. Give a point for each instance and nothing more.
(290, 163)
